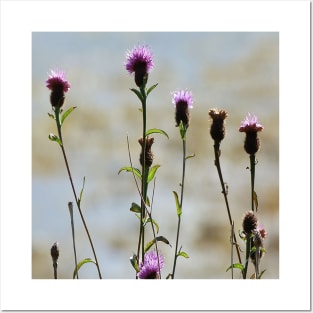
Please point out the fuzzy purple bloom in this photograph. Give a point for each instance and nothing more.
(57, 81)
(179, 96)
(183, 101)
(150, 268)
(250, 124)
(139, 60)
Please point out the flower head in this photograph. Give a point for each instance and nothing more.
(58, 86)
(251, 127)
(57, 80)
(146, 157)
(183, 101)
(217, 130)
(139, 60)
(150, 268)
(249, 223)
(250, 124)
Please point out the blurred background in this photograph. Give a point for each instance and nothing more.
(237, 72)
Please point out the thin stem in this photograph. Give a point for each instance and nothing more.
(224, 192)
(149, 213)
(57, 116)
(252, 170)
(55, 270)
(181, 199)
(145, 170)
(70, 207)
(248, 248)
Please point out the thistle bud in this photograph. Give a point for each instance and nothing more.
(249, 223)
(217, 129)
(148, 156)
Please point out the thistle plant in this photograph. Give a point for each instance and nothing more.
(251, 233)
(59, 86)
(218, 132)
(183, 101)
(139, 62)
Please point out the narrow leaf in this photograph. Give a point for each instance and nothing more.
(152, 172)
(236, 265)
(151, 88)
(80, 264)
(135, 208)
(154, 223)
(131, 169)
(134, 263)
(156, 131)
(184, 254)
(81, 192)
(67, 113)
(51, 116)
(53, 137)
(190, 156)
(152, 242)
(138, 93)
(178, 207)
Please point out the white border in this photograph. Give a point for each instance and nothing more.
(19, 19)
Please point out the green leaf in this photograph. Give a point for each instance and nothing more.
(81, 192)
(152, 172)
(51, 116)
(67, 113)
(80, 264)
(131, 169)
(138, 93)
(236, 265)
(184, 254)
(53, 137)
(152, 242)
(156, 131)
(135, 208)
(151, 88)
(134, 263)
(190, 156)
(154, 223)
(178, 207)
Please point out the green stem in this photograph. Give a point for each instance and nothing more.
(58, 122)
(252, 170)
(219, 171)
(248, 248)
(70, 207)
(183, 136)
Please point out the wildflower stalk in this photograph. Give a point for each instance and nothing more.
(70, 207)
(248, 251)
(183, 137)
(252, 170)
(224, 192)
(57, 111)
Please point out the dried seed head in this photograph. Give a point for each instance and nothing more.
(217, 129)
(249, 223)
(148, 156)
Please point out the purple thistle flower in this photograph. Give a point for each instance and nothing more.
(179, 96)
(183, 101)
(250, 124)
(58, 86)
(150, 268)
(139, 61)
(57, 80)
